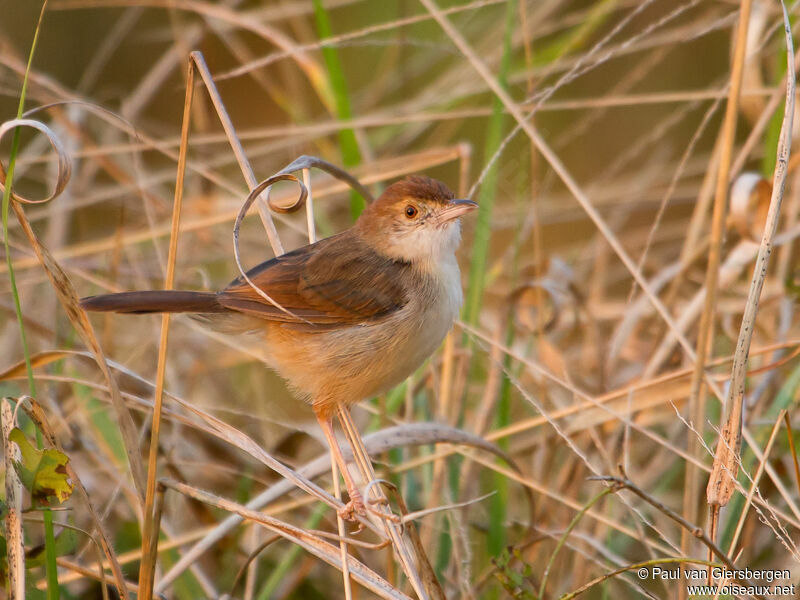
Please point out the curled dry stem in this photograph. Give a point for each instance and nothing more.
(69, 300)
(286, 174)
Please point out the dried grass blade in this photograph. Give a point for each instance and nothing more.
(149, 532)
(302, 163)
(432, 585)
(255, 194)
(378, 171)
(236, 438)
(36, 413)
(15, 547)
(754, 484)
(623, 483)
(310, 162)
(421, 585)
(721, 484)
(792, 449)
(558, 166)
(71, 304)
(228, 16)
(272, 234)
(38, 359)
(340, 527)
(697, 397)
(377, 442)
(634, 567)
(316, 546)
(310, 223)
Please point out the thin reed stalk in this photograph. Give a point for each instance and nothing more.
(149, 531)
(53, 590)
(697, 396)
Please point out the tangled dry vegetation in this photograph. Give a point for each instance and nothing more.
(631, 161)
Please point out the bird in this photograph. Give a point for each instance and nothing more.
(347, 317)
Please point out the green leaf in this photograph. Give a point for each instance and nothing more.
(43, 472)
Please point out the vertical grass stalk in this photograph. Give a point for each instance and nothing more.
(53, 592)
(494, 135)
(498, 503)
(150, 525)
(348, 145)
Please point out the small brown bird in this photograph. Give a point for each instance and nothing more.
(358, 311)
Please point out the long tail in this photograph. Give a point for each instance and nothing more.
(155, 301)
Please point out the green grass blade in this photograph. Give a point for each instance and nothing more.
(576, 38)
(348, 145)
(563, 45)
(480, 254)
(284, 566)
(480, 244)
(497, 538)
(53, 592)
(563, 539)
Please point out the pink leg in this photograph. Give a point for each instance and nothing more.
(356, 504)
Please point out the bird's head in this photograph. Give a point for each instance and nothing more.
(417, 218)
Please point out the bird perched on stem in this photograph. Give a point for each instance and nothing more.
(351, 315)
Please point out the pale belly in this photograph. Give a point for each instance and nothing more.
(345, 366)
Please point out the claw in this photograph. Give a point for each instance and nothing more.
(389, 516)
(354, 508)
(382, 501)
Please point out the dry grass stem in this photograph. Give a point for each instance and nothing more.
(69, 300)
(150, 532)
(309, 542)
(375, 496)
(37, 414)
(697, 404)
(605, 297)
(15, 543)
(754, 483)
(726, 459)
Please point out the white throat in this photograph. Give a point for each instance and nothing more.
(426, 245)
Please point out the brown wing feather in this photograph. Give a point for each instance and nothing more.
(337, 281)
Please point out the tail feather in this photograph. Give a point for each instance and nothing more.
(154, 301)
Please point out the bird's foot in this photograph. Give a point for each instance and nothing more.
(354, 508)
(383, 514)
(357, 508)
(379, 506)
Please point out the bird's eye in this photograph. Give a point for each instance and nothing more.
(411, 211)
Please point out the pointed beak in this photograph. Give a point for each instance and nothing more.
(455, 209)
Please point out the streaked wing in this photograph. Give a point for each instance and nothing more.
(338, 281)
